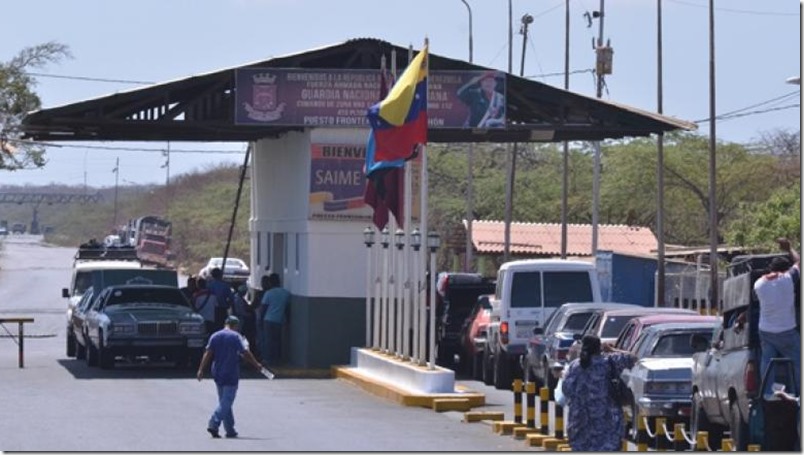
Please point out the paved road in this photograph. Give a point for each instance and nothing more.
(59, 404)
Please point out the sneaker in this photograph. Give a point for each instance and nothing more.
(231, 435)
(214, 432)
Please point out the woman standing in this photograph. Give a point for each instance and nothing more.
(595, 422)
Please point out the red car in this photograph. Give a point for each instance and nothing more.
(473, 337)
(635, 326)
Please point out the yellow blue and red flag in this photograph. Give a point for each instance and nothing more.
(384, 179)
(399, 121)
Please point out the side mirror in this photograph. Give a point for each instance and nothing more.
(65, 293)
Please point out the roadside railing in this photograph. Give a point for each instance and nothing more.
(20, 335)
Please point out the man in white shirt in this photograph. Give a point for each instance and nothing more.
(775, 290)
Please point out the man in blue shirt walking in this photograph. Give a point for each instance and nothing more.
(224, 349)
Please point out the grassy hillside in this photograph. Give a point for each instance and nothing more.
(200, 205)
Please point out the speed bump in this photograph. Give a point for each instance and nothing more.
(478, 416)
(451, 404)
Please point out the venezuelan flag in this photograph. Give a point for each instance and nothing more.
(399, 121)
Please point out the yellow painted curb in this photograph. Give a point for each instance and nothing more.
(536, 440)
(552, 444)
(507, 427)
(451, 404)
(521, 432)
(477, 416)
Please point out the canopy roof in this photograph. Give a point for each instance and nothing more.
(201, 108)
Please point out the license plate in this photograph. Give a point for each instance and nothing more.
(524, 329)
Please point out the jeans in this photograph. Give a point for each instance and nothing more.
(273, 342)
(782, 344)
(223, 413)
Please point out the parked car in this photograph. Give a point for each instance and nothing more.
(236, 271)
(97, 273)
(634, 327)
(607, 324)
(660, 383)
(726, 377)
(527, 292)
(76, 330)
(473, 337)
(3, 230)
(143, 320)
(456, 296)
(547, 348)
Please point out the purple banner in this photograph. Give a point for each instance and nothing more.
(337, 181)
(340, 98)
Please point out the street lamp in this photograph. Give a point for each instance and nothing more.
(368, 236)
(433, 242)
(470, 163)
(416, 239)
(368, 239)
(469, 10)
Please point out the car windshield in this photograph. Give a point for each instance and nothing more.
(576, 322)
(676, 345)
(230, 262)
(613, 325)
(168, 296)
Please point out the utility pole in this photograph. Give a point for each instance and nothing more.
(511, 158)
(470, 183)
(565, 160)
(116, 171)
(603, 66)
(660, 268)
(713, 281)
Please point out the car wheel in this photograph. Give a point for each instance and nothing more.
(738, 428)
(70, 343)
(488, 372)
(105, 356)
(80, 350)
(502, 372)
(92, 354)
(700, 422)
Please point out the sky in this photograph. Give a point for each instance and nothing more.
(757, 48)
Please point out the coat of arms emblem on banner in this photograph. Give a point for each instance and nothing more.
(264, 107)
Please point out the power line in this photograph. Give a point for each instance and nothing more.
(90, 79)
(746, 114)
(587, 70)
(128, 149)
(740, 11)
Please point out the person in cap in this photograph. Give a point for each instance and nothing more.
(778, 335)
(486, 103)
(224, 349)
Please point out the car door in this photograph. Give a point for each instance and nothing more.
(709, 373)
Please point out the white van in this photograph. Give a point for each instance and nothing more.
(527, 292)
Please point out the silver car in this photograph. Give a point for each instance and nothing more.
(661, 380)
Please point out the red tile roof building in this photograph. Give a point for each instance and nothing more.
(544, 239)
